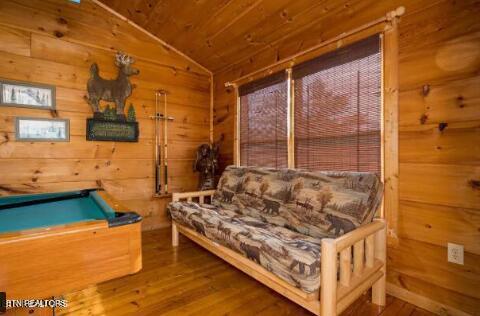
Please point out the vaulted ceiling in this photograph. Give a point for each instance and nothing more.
(218, 33)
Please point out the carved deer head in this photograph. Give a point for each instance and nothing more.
(124, 62)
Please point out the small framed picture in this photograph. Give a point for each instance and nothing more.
(29, 95)
(41, 129)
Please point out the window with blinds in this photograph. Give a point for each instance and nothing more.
(263, 122)
(337, 110)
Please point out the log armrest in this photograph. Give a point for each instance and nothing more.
(358, 234)
(189, 196)
(368, 269)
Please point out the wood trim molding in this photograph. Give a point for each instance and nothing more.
(423, 302)
(290, 120)
(212, 103)
(236, 139)
(390, 128)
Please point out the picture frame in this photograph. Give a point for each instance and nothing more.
(34, 129)
(27, 95)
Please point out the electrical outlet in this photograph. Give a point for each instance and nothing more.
(455, 253)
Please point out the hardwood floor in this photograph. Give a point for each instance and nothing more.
(191, 281)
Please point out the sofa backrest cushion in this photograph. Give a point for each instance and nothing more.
(318, 204)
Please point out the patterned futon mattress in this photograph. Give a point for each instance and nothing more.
(291, 256)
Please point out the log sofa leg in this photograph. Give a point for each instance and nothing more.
(378, 288)
(174, 235)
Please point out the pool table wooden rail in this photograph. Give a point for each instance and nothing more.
(45, 262)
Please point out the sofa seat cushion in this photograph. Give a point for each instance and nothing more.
(291, 256)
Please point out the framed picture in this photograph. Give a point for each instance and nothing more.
(29, 95)
(40, 129)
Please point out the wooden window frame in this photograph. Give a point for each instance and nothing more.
(387, 29)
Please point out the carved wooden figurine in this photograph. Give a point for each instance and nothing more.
(206, 164)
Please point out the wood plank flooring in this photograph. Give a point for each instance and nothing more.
(191, 281)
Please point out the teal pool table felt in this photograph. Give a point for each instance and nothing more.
(77, 209)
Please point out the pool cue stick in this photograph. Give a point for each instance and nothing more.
(158, 183)
(160, 145)
(165, 144)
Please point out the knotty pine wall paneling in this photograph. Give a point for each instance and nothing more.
(439, 170)
(55, 42)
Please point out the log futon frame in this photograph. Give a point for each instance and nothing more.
(345, 274)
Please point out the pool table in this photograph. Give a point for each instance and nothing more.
(54, 243)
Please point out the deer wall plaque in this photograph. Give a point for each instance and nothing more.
(112, 124)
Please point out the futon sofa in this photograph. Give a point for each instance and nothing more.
(294, 230)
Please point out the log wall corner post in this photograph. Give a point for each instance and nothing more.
(390, 94)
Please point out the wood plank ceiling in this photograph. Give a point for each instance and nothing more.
(219, 33)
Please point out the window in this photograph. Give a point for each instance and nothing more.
(336, 113)
(338, 109)
(263, 122)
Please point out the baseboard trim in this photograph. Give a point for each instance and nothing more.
(424, 302)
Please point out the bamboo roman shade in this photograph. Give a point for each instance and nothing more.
(263, 122)
(337, 109)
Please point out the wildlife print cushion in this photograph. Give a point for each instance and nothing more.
(293, 257)
(317, 204)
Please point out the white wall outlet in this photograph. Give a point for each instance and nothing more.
(455, 253)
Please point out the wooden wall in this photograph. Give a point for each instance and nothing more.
(55, 42)
(439, 171)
